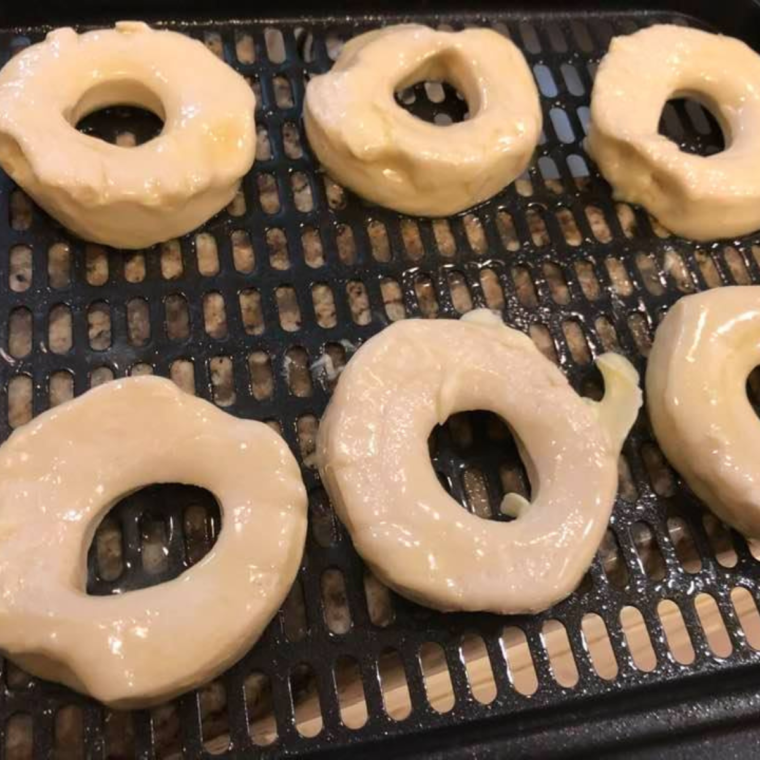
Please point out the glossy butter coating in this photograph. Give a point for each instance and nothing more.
(62, 472)
(696, 380)
(697, 197)
(374, 460)
(120, 196)
(368, 143)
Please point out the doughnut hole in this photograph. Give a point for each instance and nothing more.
(430, 95)
(436, 102)
(125, 114)
(478, 462)
(151, 536)
(693, 126)
(753, 389)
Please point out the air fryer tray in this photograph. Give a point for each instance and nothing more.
(259, 311)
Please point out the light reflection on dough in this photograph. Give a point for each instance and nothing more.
(703, 353)
(148, 645)
(374, 460)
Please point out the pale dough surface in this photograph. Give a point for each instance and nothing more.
(120, 196)
(703, 352)
(61, 473)
(698, 197)
(370, 144)
(374, 459)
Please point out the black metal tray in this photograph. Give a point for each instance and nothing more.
(233, 315)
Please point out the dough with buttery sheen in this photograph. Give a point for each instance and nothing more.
(126, 197)
(370, 144)
(374, 459)
(59, 476)
(699, 197)
(703, 352)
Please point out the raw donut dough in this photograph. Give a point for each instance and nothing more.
(126, 197)
(703, 352)
(374, 461)
(368, 143)
(62, 472)
(694, 196)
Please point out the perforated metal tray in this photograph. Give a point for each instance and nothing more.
(260, 312)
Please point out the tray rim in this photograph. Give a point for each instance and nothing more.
(674, 719)
(741, 20)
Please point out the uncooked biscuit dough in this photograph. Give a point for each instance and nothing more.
(698, 197)
(120, 196)
(703, 352)
(374, 460)
(59, 476)
(370, 144)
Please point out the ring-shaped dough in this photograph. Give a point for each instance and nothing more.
(370, 144)
(374, 459)
(62, 472)
(119, 196)
(699, 197)
(703, 352)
